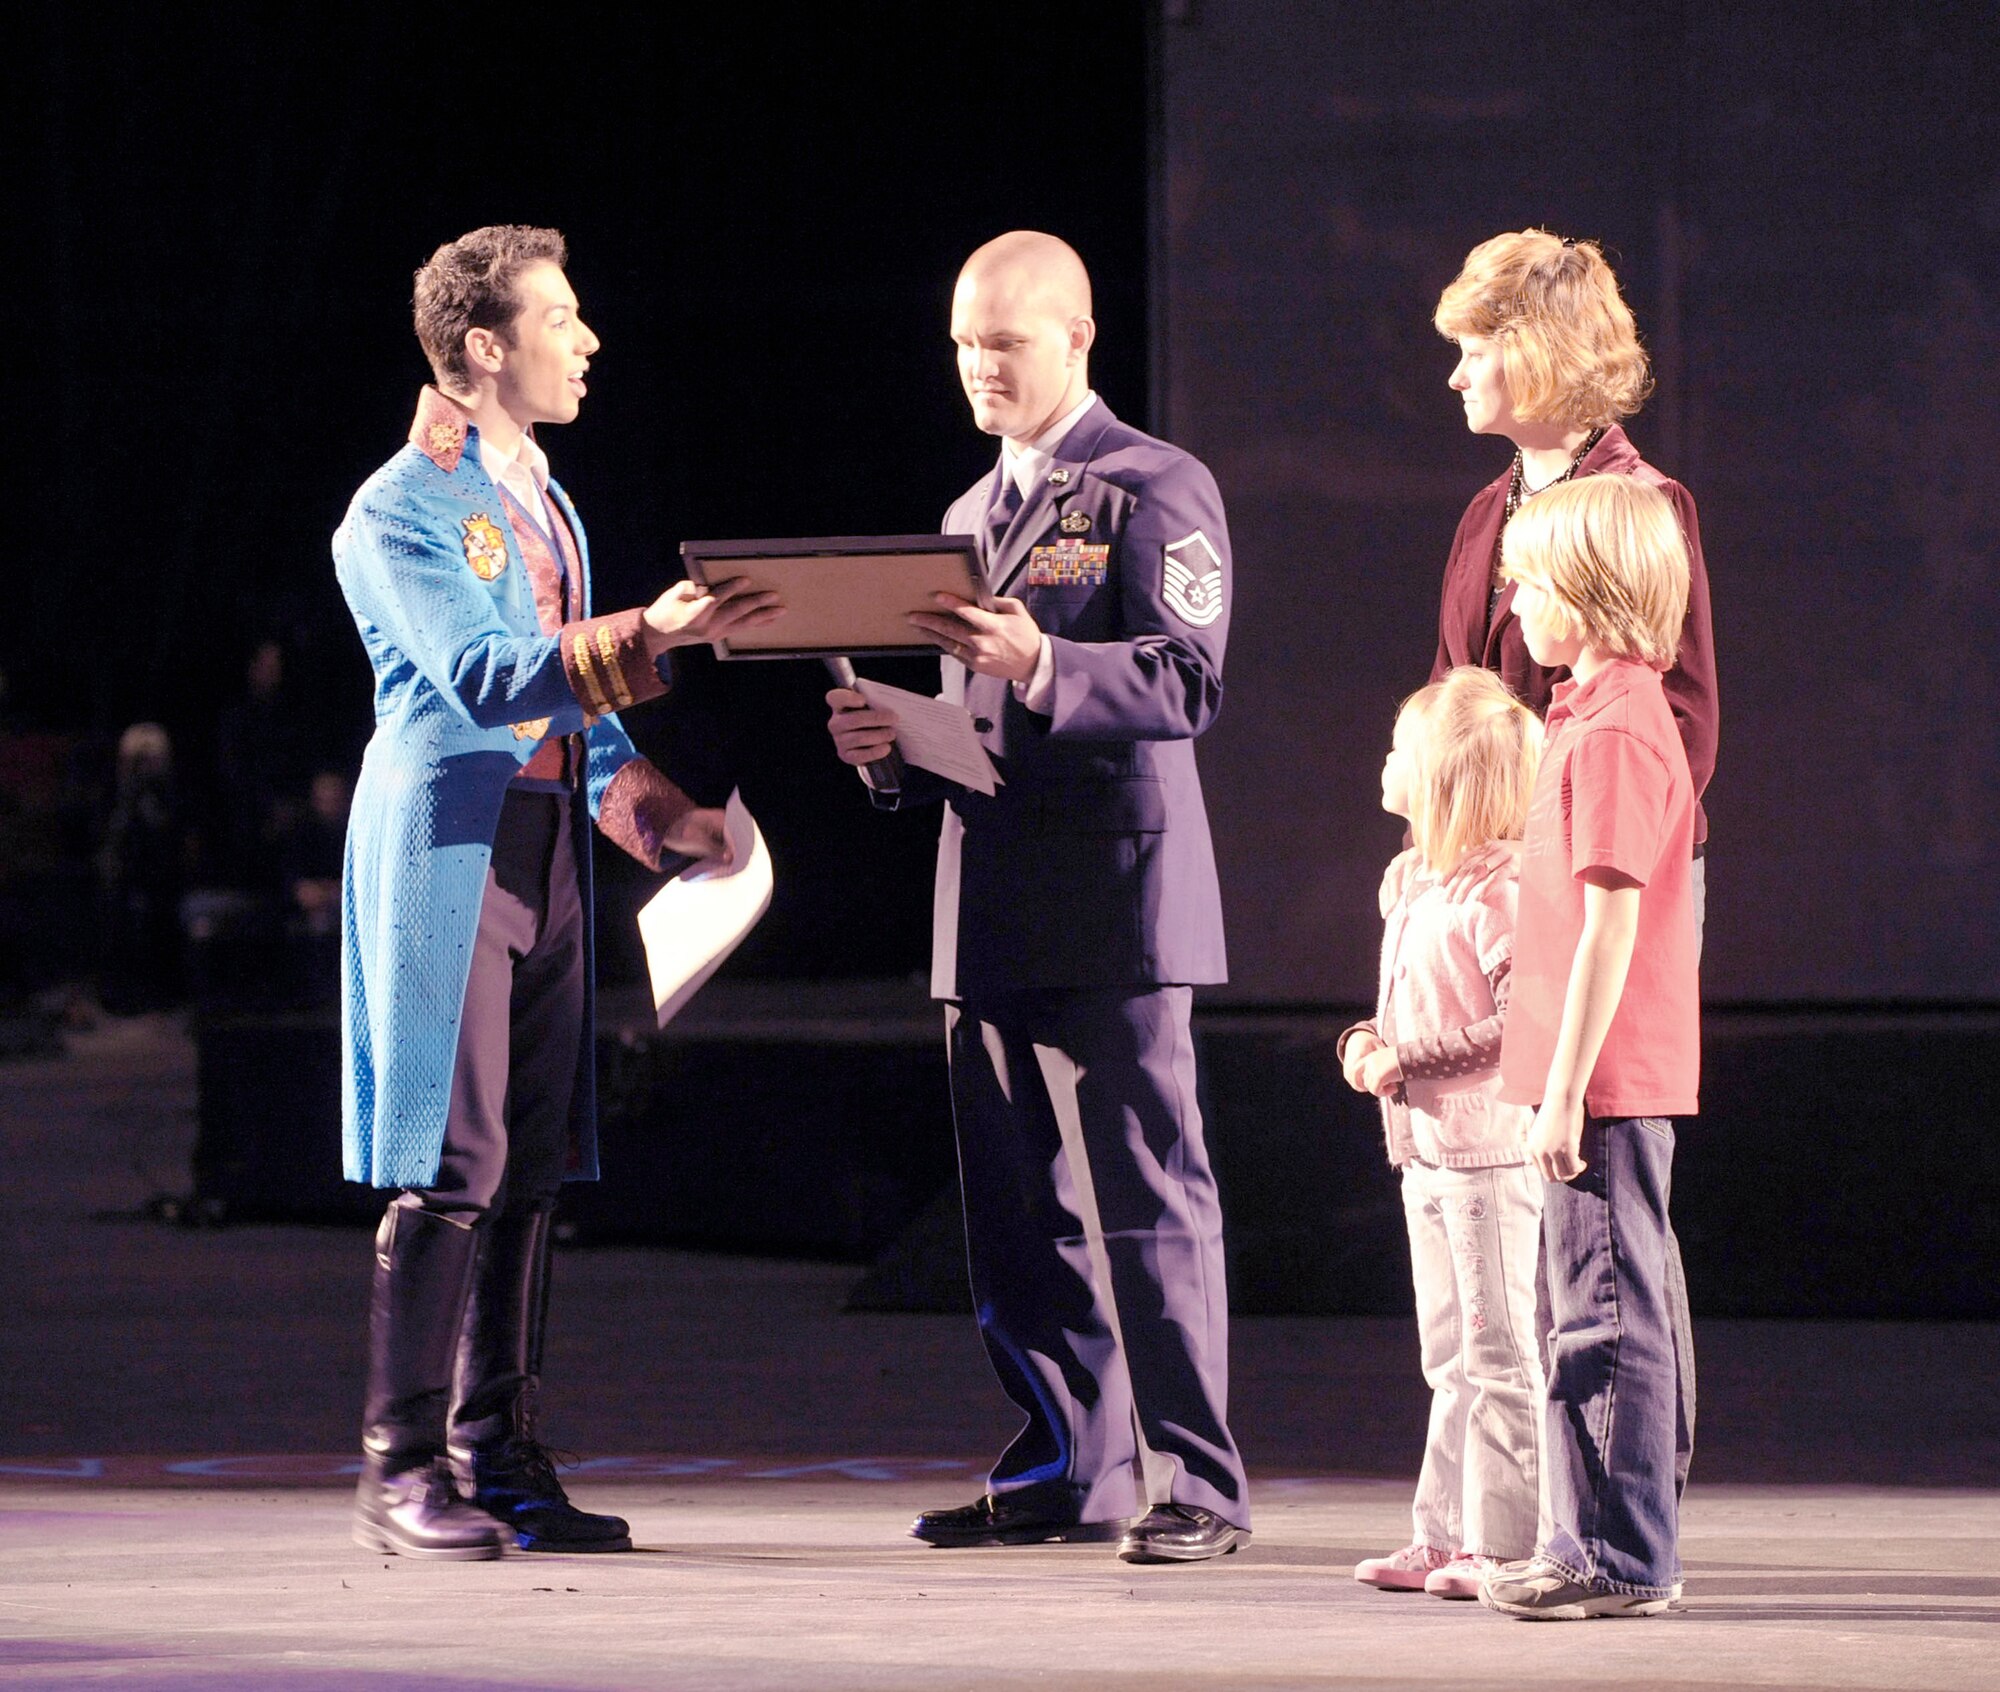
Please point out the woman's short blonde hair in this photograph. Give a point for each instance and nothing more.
(1568, 346)
(1473, 750)
(1609, 551)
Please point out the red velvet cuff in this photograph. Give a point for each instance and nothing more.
(638, 808)
(606, 662)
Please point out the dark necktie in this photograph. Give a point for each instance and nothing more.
(1001, 514)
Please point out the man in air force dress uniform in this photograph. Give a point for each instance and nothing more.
(1076, 910)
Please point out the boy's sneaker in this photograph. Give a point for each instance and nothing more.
(1402, 1571)
(1543, 1591)
(1462, 1577)
(1674, 1597)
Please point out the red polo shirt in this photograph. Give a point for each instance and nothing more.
(1613, 793)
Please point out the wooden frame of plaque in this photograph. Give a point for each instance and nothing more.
(844, 595)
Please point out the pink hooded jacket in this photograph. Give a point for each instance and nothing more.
(1447, 950)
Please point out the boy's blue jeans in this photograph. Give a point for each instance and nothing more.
(1621, 1329)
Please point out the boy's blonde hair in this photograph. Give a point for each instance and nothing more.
(1473, 749)
(1568, 346)
(1609, 551)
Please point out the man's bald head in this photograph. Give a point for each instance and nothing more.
(1041, 270)
(1020, 316)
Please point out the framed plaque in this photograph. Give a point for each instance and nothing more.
(844, 595)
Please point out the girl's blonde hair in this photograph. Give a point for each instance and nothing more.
(1474, 749)
(1609, 551)
(1568, 346)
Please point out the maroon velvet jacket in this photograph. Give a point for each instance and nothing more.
(1464, 638)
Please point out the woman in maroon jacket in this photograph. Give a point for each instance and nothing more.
(1549, 358)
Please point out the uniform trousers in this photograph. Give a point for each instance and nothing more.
(1094, 1239)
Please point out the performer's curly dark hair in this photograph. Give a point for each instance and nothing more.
(470, 284)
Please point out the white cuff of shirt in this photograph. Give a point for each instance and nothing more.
(1038, 692)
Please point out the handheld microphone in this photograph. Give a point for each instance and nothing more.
(885, 775)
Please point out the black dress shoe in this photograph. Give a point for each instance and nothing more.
(1180, 1533)
(419, 1513)
(517, 1486)
(994, 1521)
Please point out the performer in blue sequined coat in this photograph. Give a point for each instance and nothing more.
(466, 909)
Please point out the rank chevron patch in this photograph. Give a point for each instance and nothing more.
(1193, 586)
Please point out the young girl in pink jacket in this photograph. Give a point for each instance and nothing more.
(1460, 769)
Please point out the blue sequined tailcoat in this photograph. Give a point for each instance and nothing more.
(467, 684)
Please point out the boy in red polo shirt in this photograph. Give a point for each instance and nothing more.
(1603, 1035)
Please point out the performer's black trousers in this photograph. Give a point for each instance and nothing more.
(506, 1136)
(1043, 1082)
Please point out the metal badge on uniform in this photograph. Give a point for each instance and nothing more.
(1058, 478)
(1075, 523)
(1193, 581)
(1069, 563)
(485, 547)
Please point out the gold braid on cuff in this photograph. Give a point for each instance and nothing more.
(581, 661)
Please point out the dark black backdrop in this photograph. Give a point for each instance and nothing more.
(216, 215)
(766, 206)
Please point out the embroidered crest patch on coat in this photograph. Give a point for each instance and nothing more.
(1193, 584)
(485, 547)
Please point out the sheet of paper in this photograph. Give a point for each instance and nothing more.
(936, 735)
(701, 916)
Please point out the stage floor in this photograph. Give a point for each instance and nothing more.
(807, 1583)
(177, 1410)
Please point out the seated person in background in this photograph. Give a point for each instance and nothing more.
(309, 854)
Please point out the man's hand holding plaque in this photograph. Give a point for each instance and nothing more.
(1001, 642)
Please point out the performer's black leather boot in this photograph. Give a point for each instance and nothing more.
(494, 1444)
(407, 1502)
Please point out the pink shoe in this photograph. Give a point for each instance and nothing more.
(1402, 1571)
(1461, 1577)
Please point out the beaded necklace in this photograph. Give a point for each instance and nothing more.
(1517, 494)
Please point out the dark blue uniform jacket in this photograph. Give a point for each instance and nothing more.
(1092, 864)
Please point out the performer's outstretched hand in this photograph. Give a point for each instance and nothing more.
(688, 614)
